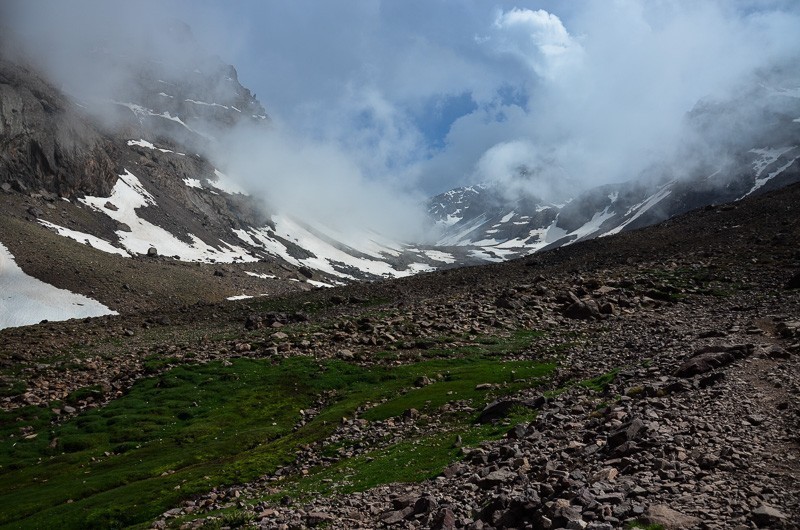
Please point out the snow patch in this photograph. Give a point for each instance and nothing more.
(326, 256)
(25, 300)
(318, 284)
(226, 184)
(759, 182)
(148, 145)
(128, 195)
(142, 111)
(262, 276)
(767, 156)
(86, 239)
(641, 208)
(437, 255)
(593, 225)
(206, 104)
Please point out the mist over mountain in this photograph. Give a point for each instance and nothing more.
(424, 97)
(587, 121)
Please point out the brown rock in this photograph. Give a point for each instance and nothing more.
(668, 518)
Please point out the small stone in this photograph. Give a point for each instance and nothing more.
(445, 520)
(605, 475)
(315, 518)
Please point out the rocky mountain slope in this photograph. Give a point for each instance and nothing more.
(650, 377)
(129, 172)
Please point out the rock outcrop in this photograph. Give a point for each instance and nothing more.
(46, 142)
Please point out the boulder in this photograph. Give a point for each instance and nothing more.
(668, 518)
(712, 357)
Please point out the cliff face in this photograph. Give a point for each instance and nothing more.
(45, 144)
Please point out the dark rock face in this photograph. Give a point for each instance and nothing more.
(45, 143)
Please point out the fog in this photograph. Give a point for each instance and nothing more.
(377, 104)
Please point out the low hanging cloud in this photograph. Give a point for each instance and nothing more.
(318, 183)
(542, 97)
(610, 88)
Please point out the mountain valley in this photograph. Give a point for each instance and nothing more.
(178, 350)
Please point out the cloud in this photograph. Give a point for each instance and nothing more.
(536, 37)
(611, 84)
(422, 95)
(318, 183)
(342, 175)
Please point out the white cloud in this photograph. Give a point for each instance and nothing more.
(536, 37)
(596, 88)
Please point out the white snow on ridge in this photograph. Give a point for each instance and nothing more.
(486, 254)
(24, 300)
(508, 217)
(142, 111)
(325, 253)
(226, 184)
(759, 182)
(461, 239)
(768, 156)
(451, 219)
(206, 104)
(438, 255)
(128, 195)
(593, 225)
(193, 183)
(641, 208)
(86, 239)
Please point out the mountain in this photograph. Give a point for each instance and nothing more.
(645, 378)
(763, 155)
(127, 172)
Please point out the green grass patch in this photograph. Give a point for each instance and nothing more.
(601, 382)
(11, 388)
(638, 525)
(194, 427)
(412, 460)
